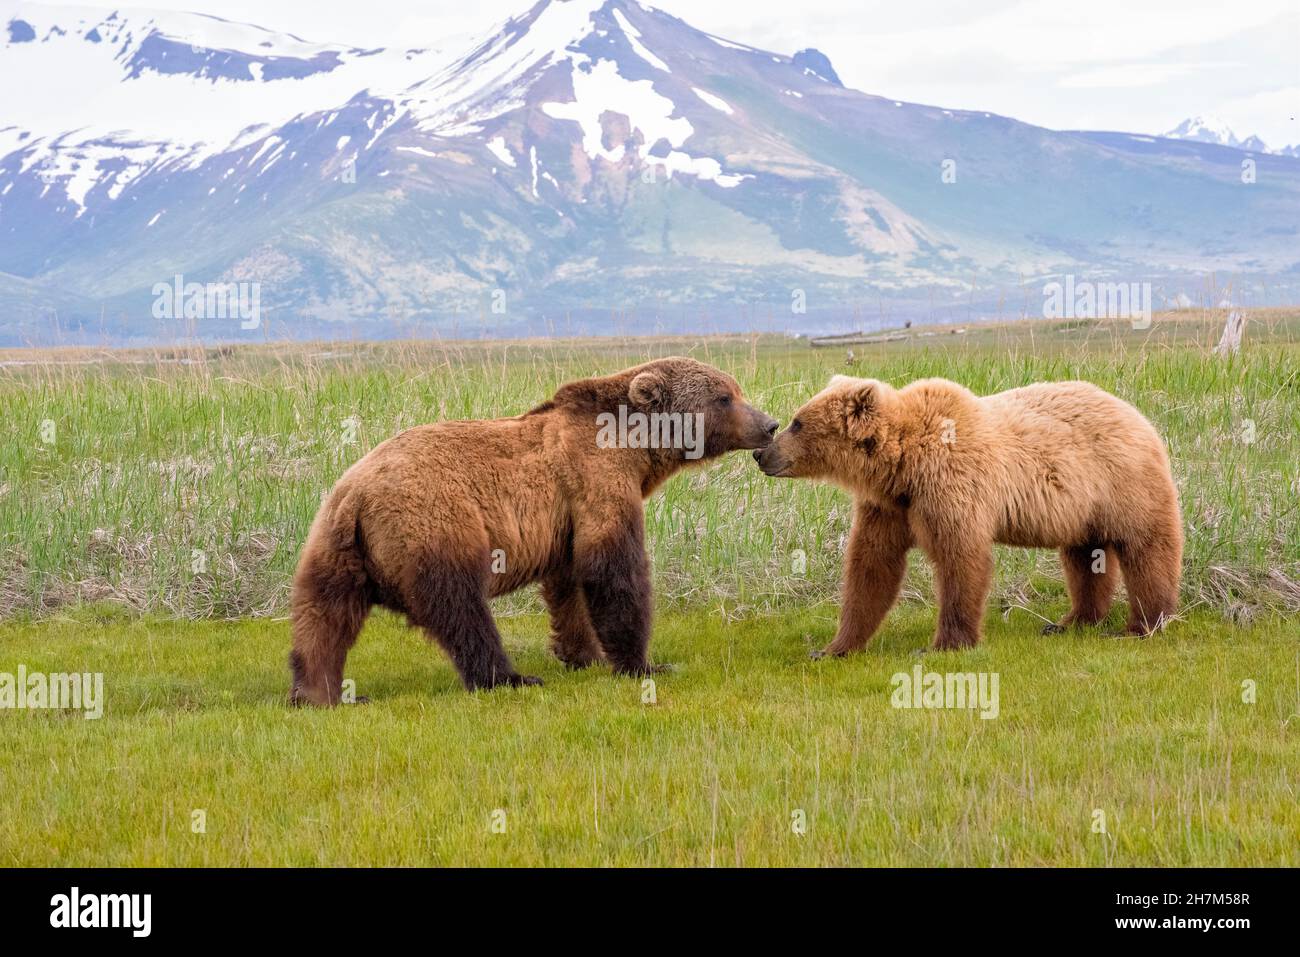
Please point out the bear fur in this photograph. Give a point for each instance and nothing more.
(440, 518)
(1060, 465)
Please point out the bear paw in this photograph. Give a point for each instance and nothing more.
(641, 671)
(298, 698)
(578, 664)
(955, 641)
(502, 681)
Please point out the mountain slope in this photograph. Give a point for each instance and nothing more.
(588, 155)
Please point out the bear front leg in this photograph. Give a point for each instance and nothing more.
(573, 638)
(963, 567)
(874, 566)
(450, 603)
(610, 562)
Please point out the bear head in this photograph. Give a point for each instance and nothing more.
(844, 434)
(679, 386)
(684, 409)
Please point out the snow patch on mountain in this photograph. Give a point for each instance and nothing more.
(634, 38)
(728, 45)
(599, 89)
(717, 102)
(498, 147)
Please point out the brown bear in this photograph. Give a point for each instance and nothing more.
(1053, 465)
(440, 518)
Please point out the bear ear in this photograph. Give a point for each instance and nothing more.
(859, 407)
(649, 390)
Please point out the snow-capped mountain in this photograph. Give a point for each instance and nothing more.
(583, 157)
(109, 97)
(1201, 129)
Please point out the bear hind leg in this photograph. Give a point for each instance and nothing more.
(329, 607)
(1152, 569)
(451, 605)
(1091, 572)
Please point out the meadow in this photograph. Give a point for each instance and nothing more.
(152, 505)
(182, 482)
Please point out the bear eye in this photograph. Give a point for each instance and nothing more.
(724, 400)
(796, 425)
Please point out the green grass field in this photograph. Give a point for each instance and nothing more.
(151, 510)
(745, 733)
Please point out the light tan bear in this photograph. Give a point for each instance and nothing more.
(1053, 465)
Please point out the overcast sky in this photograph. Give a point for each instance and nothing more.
(1133, 65)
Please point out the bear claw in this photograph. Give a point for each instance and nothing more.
(1052, 628)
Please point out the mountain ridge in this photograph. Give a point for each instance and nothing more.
(584, 156)
(1202, 129)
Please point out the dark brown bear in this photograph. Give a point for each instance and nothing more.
(439, 519)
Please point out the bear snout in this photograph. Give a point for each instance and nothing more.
(755, 429)
(765, 428)
(770, 460)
